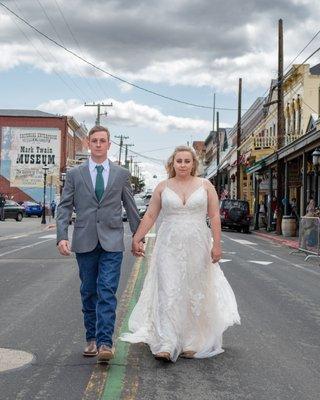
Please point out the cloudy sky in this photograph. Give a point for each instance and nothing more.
(182, 49)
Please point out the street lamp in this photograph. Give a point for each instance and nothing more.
(316, 163)
(63, 180)
(257, 181)
(45, 170)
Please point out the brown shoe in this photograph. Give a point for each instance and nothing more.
(91, 349)
(163, 356)
(105, 354)
(188, 354)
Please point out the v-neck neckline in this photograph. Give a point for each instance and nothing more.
(187, 199)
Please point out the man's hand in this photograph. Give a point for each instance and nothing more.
(137, 249)
(64, 247)
(216, 253)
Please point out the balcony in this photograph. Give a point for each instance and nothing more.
(264, 142)
(289, 138)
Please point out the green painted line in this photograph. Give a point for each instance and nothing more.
(116, 373)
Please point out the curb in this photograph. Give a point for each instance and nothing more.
(289, 243)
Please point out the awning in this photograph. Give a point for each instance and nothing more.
(210, 171)
(256, 167)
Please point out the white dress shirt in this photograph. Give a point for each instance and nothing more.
(93, 172)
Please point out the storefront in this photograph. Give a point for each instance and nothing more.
(300, 179)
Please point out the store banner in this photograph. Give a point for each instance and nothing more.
(27, 150)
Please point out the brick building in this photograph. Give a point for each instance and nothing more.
(30, 140)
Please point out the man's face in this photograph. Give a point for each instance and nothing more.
(99, 145)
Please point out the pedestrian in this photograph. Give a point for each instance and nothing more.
(287, 209)
(262, 215)
(294, 210)
(2, 204)
(311, 208)
(186, 302)
(97, 189)
(53, 206)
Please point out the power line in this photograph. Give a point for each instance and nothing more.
(43, 57)
(310, 41)
(156, 160)
(80, 51)
(61, 40)
(133, 84)
(109, 73)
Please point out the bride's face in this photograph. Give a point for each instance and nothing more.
(183, 163)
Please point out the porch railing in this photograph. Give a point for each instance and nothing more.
(290, 138)
(264, 142)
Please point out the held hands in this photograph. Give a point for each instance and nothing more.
(64, 247)
(137, 248)
(216, 253)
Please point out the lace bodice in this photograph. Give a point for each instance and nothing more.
(195, 206)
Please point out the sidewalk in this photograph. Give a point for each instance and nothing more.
(292, 242)
(11, 228)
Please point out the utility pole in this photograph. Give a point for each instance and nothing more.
(218, 155)
(98, 105)
(239, 139)
(126, 161)
(213, 111)
(131, 165)
(121, 137)
(280, 126)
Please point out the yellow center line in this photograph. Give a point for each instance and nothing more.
(96, 384)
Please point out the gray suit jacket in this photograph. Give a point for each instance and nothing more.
(96, 221)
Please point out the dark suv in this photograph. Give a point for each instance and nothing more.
(235, 214)
(13, 210)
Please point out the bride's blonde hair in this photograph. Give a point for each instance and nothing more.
(169, 166)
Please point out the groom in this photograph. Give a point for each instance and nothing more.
(96, 189)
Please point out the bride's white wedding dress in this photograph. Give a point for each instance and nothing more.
(186, 302)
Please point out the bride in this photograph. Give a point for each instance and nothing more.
(186, 302)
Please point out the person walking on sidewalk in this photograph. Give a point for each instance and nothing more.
(53, 206)
(2, 203)
(186, 302)
(96, 190)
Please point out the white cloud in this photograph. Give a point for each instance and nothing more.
(210, 43)
(124, 87)
(152, 174)
(130, 114)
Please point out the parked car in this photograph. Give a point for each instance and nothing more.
(235, 214)
(32, 208)
(124, 214)
(13, 210)
(73, 216)
(141, 205)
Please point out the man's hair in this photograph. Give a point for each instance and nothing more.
(98, 128)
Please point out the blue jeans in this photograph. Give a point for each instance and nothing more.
(99, 272)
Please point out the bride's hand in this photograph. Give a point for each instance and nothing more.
(216, 253)
(137, 248)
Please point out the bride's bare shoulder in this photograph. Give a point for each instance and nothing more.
(208, 185)
(160, 187)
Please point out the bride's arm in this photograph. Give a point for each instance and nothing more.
(215, 222)
(151, 214)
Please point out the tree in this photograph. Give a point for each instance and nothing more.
(138, 184)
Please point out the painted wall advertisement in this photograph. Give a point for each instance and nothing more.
(25, 151)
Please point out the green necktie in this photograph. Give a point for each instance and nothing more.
(99, 189)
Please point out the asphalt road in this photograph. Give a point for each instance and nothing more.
(40, 312)
(273, 355)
